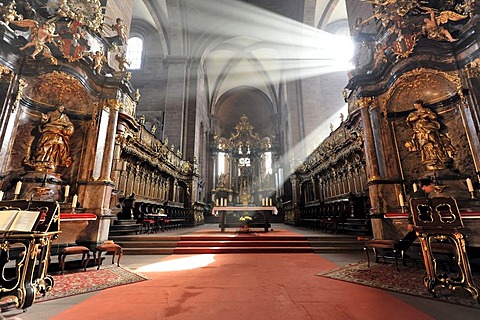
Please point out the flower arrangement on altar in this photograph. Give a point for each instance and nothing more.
(245, 219)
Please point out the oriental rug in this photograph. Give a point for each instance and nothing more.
(73, 283)
(409, 280)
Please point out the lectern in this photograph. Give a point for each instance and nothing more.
(438, 220)
(27, 231)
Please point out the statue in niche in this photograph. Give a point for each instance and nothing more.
(435, 147)
(223, 180)
(53, 147)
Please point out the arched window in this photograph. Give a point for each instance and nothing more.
(135, 52)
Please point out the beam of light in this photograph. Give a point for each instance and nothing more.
(302, 50)
(180, 264)
(297, 155)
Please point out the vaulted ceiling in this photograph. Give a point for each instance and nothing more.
(246, 48)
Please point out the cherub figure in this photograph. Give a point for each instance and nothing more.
(98, 60)
(123, 63)
(433, 29)
(379, 57)
(9, 13)
(120, 28)
(40, 35)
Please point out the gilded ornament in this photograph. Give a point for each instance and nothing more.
(22, 84)
(473, 68)
(87, 12)
(9, 13)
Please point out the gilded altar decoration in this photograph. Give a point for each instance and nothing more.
(404, 22)
(435, 147)
(41, 33)
(53, 147)
(87, 12)
(72, 40)
(9, 13)
(59, 88)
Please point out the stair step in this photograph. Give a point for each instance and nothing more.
(217, 250)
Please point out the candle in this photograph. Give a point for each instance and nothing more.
(1, 195)
(67, 191)
(74, 201)
(18, 187)
(216, 202)
(415, 188)
(470, 185)
(400, 199)
(263, 201)
(270, 201)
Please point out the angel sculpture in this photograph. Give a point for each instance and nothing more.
(433, 29)
(40, 35)
(98, 61)
(120, 28)
(123, 63)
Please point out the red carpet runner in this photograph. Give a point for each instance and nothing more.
(241, 286)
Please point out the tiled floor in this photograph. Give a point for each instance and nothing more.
(438, 310)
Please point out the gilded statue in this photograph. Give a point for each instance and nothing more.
(98, 60)
(432, 25)
(53, 147)
(123, 63)
(435, 147)
(40, 35)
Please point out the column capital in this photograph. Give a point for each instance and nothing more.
(365, 102)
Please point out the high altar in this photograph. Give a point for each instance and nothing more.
(245, 167)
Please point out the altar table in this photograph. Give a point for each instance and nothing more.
(224, 211)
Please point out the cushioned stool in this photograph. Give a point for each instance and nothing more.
(74, 250)
(108, 247)
(375, 244)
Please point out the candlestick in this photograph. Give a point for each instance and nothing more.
(470, 185)
(67, 192)
(401, 200)
(270, 201)
(263, 201)
(18, 188)
(216, 202)
(415, 188)
(74, 201)
(1, 195)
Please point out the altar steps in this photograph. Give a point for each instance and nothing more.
(193, 244)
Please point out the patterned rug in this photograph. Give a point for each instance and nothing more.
(409, 280)
(73, 283)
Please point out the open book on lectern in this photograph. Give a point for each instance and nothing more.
(18, 220)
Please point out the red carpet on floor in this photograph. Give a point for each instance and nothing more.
(73, 283)
(241, 286)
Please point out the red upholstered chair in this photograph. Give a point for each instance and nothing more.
(84, 251)
(108, 247)
(148, 225)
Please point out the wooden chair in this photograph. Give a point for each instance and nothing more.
(108, 248)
